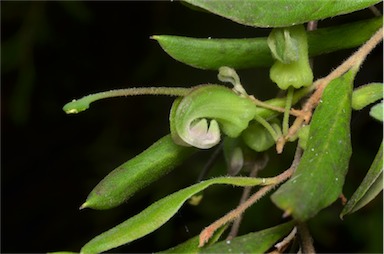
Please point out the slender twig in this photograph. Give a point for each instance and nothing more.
(282, 245)
(353, 61)
(260, 103)
(305, 238)
(257, 166)
(207, 233)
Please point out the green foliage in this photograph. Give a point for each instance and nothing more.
(125, 180)
(157, 214)
(203, 114)
(377, 111)
(251, 53)
(279, 13)
(365, 95)
(370, 187)
(319, 178)
(257, 242)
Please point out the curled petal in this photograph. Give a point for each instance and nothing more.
(203, 136)
(197, 119)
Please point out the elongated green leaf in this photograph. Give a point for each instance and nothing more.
(365, 95)
(257, 242)
(135, 174)
(371, 185)
(249, 53)
(157, 214)
(319, 178)
(279, 13)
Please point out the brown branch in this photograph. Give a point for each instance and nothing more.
(353, 61)
(305, 239)
(207, 233)
(258, 165)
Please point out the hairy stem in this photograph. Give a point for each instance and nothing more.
(267, 126)
(353, 61)
(207, 233)
(82, 104)
(258, 165)
(288, 105)
(260, 103)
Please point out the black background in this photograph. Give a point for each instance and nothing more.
(53, 52)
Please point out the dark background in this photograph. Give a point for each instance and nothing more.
(52, 52)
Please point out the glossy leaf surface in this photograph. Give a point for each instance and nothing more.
(370, 187)
(157, 214)
(249, 53)
(319, 178)
(279, 13)
(258, 242)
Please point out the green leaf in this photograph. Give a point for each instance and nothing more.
(377, 111)
(159, 213)
(135, 174)
(279, 13)
(371, 185)
(319, 177)
(249, 53)
(258, 242)
(367, 94)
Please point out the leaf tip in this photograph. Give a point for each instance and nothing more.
(84, 205)
(154, 37)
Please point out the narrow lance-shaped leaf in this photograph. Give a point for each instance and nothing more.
(258, 242)
(371, 185)
(254, 52)
(159, 213)
(279, 13)
(135, 174)
(319, 178)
